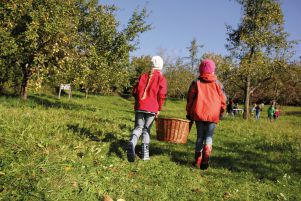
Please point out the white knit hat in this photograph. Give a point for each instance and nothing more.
(157, 62)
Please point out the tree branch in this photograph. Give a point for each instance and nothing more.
(239, 86)
(258, 85)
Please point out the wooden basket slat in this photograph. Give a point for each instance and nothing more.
(173, 130)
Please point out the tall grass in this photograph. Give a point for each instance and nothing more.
(75, 149)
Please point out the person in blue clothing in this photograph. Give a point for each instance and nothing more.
(257, 111)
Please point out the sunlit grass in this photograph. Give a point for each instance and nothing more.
(75, 150)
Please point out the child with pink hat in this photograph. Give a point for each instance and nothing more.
(206, 102)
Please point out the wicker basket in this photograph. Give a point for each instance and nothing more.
(173, 129)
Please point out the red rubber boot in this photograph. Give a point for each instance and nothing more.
(197, 159)
(206, 155)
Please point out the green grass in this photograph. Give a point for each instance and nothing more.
(54, 149)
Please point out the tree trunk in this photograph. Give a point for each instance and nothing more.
(24, 90)
(24, 86)
(1, 88)
(247, 87)
(247, 98)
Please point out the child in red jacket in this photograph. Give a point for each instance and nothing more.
(149, 95)
(206, 102)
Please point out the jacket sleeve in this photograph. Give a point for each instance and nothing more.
(162, 92)
(192, 92)
(135, 89)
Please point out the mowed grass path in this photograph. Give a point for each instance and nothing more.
(54, 149)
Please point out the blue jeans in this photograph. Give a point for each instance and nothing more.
(143, 124)
(257, 114)
(205, 131)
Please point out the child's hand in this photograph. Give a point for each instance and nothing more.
(188, 117)
(157, 114)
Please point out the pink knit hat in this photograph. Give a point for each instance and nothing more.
(207, 66)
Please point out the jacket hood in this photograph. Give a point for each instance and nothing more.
(208, 77)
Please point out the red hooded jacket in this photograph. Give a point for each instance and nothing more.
(206, 100)
(150, 91)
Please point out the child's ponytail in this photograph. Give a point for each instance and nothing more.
(150, 74)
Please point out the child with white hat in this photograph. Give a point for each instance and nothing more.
(149, 93)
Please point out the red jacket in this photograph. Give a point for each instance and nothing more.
(150, 93)
(206, 100)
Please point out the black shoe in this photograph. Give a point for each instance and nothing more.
(204, 166)
(131, 152)
(205, 163)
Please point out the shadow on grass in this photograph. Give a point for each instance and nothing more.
(259, 160)
(289, 154)
(50, 102)
(76, 95)
(126, 96)
(174, 151)
(260, 163)
(256, 158)
(10, 95)
(117, 146)
(84, 132)
(275, 147)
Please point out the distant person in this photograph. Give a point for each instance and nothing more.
(257, 111)
(149, 93)
(230, 108)
(262, 106)
(206, 102)
(235, 107)
(271, 112)
(277, 112)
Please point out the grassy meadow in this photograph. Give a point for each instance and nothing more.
(75, 149)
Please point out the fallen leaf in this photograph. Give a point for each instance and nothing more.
(42, 169)
(226, 195)
(131, 174)
(107, 198)
(197, 190)
(74, 184)
(68, 168)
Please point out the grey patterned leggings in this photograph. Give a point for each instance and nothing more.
(143, 124)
